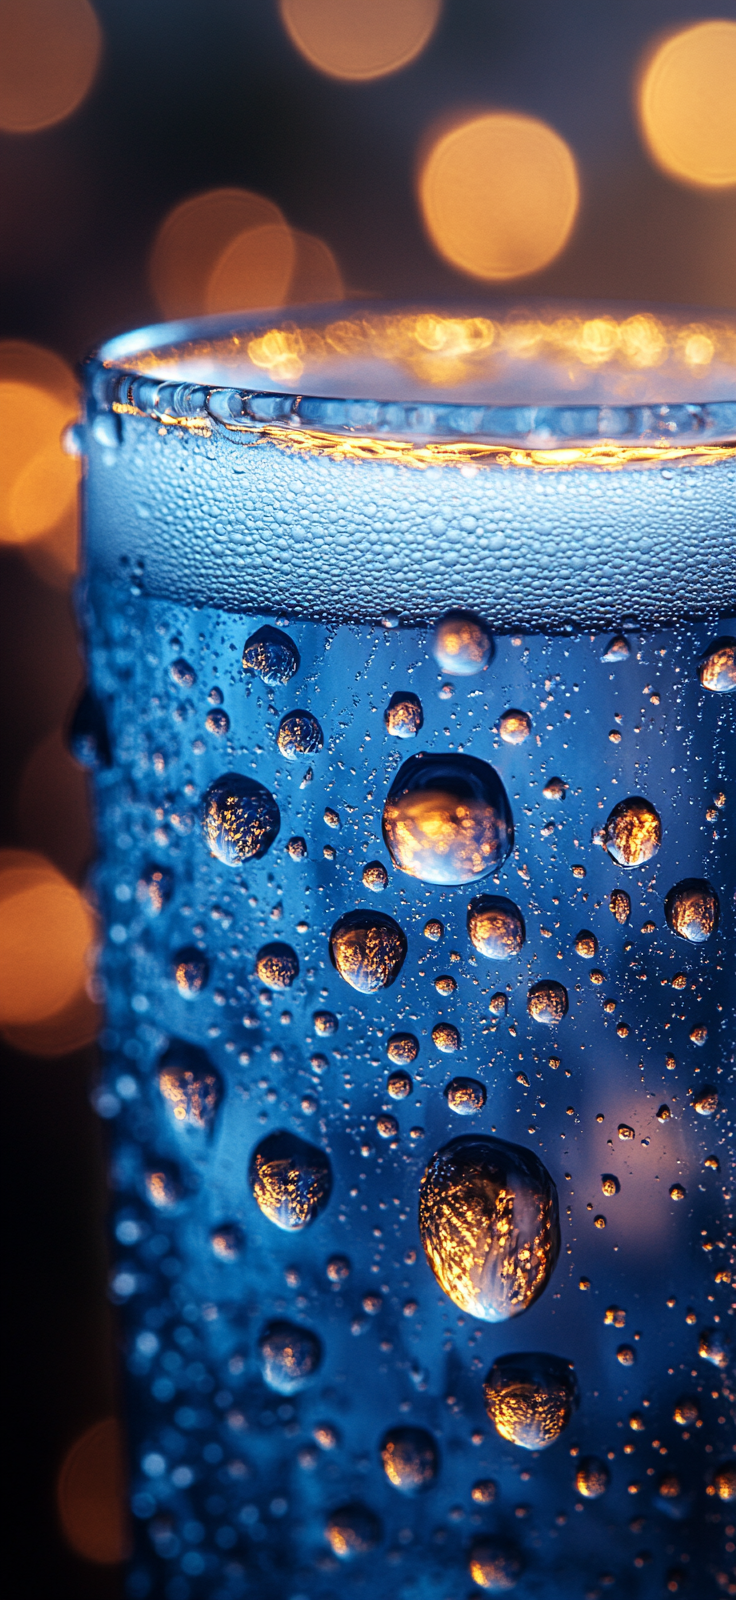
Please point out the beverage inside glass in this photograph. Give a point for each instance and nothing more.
(409, 663)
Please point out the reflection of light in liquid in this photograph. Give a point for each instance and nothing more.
(91, 1495)
(687, 104)
(349, 39)
(499, 195)
(51, 51)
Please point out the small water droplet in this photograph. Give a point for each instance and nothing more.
(610, 1184)
(547, 1001)
(399, 1085)
(240, 819)
(693, 910)
(586, 944)
(277, 965)
(338, 1269)
(465, 1096)
(433, 930)
(484, 1491)
(191, 970)
(325, 1023)
(514, 726)
(299, 735)
(714, 1346)
(617, 649)
(592, 1477)
(297, 848)
(290, 1356)
(706, 1101)
(290, 1180)
(446, 1038)
(154, 889)
(163, 1186)
(633, 832)
(488, 1220)
(227, 1241)
(498, 1004)
(447, 818)
(368, 950)
(619, 903)
(271, 655)
(495, 1564)
(217, 722)
(530, 1398)
(387, 1127)
(351, 1531)
(181, 673)
(496, 927)
(686, 1411)
(404, 715)
(410, 1459)
(375, 876)
(717, 666)
(462, 644)
(724, 1481)
(190, 1086)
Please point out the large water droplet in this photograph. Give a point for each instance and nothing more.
(410, 1459)
(693, 910)
(445, 1037)
(240, 819)
(633, 832)
(496, 927)
(154, 889)
(289, 1356)
(547, 1001)
(592, 1477)
(717, 666)
(352, 1531)
(277, 965)
(404, 715)
(447, 818)
(488, 1219)
(88, 739)
(495, 1565)
(271, 655)
(402, 1048)
(191, 970)
(368, 950)
(190, 1086)
(530, 1398)
(465, 1096)
(299, 735)
(290, 1179)
(462, 644)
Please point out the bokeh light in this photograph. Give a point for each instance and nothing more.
(90, 1495)
(270, 266)
(51, 806)
(46, 930)
(50, 54)
(193, 238)
(38, 480)
(499, 195)
(687, 104)
(360, 39)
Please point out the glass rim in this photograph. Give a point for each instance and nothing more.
(630, 350)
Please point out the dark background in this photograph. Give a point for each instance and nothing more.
(192, 96)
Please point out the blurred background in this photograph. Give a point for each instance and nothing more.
(159, 159)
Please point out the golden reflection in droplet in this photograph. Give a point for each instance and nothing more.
(530, 1399)
(290, 1180)
(351, 40)
(46, 929)
(192, 1096)
(90, 1495)
(50, 54)
(687, 104)
(633, 832)
(499, 195)
(193, 237)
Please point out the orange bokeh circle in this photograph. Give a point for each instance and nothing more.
(499, 195)
(46, 929)
(90, 1495)
(686, 101)
(356, 40)
(50, 54)
(193, 237)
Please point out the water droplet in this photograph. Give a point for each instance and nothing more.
(404, 715)
(547, 1001)
(626, 1355)
(290, 1179)
(498, 1004)
(217, 722)
(387, 1127)
(325, 1023)
(724, 1481)
(717, 666)
(399, 1085)
(375, 876)
(447, 819)
(154, 889)
(240, 819)
(368, 950)
(617, 649)
(586, 944)
(693, 910)
(714, 1346)
(181, 673)
(633, 832)
(227, 1241)
(289, 1356)
(446, 1038)
(514, 726)
(496, 927)
(163, 1186)
(610, 1184)
(465, 1096)
(489, 1224)
(706, 1101)
(338, 1269)
(352, 1531)
(495, 1565)
(277, 965)
(88, 740)
(191, 970)
(530, 1398)
(190, 1086)
(462, 644)
(484, 1491)
(433, 930)
(445, 984)
(620, 905)
(677, 1192)
(299, 735)
(271, 655)
(592, 1477)
(410, 1459)
(555, 789)
(297, 848)
(686, 1411)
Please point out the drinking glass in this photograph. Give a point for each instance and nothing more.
(408, 712)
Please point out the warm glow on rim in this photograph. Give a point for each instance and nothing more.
(687, 104)
(193, 238)
(90, 1495)
(50, 54)
(359, 39)
(499, 195)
